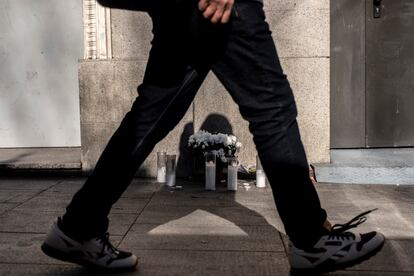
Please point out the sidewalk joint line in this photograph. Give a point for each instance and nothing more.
(35, 195)
(134, 221)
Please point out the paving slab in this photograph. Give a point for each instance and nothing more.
(28, 222)
(134, 190)
(395, 214)
(388, 219)
(396, 255)
(266, 267)
(371, 273)
(16, 248)
(238, 214)
(184, 236)
(20, 183)
(379, 193)
(211, 263)
(197, 196)
(150, 183)
(174, 263)
(23, 248)
(39, 270)
(4, 207)
(21, 196)
(144, 189)
(194, 232)
(58, 203)
(130, 205)
(67, 186)
(46, 203)
(6, 195)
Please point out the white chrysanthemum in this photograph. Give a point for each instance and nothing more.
(228, 140)
(222, 138)
(227, 144)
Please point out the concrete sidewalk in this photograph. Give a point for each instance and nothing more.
(194, 232)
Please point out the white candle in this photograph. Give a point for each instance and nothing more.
(232, 178)
(171, 159)
(161, 174)
(210, 176)
(260, 179)
(171, 179)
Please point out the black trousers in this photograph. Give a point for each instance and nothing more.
(243, 56)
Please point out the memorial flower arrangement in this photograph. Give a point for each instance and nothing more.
(223, 145)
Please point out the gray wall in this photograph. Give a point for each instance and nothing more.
(40, 44)
(301, 31)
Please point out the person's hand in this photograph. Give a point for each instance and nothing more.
(217, 11)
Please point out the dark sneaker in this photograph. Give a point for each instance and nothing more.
(338, 249)
(97, 252)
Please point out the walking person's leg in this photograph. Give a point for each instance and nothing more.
(250, 70)
(170, 83)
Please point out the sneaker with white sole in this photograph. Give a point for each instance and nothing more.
(97, 252)
(338, 249)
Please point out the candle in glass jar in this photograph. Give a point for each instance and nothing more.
(210, 176)
(161, 167)
(171, 179)
(232, 178)
(161, 175)
(260, 174)
(171, 168)
(232, 169)
(260, 179)
(210, 171)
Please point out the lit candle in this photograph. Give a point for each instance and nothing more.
(232, 169)
(171, 179)
(210, 171)
(210, 176)
(171, 167)
(161, 167)
(161, 175)
(260, 179)
(260, 174)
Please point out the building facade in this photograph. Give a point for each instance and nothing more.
(115, 60)
(116, 44)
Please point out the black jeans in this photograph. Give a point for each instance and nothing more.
(243, 57)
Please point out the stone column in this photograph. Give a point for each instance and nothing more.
(97, 31)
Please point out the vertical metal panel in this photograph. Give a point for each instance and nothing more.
(347, 73)
(390, 74)
(40, 44)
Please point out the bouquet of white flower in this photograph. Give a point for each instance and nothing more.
(222, 145)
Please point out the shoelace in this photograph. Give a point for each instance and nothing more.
(107, 244)
(339, 230)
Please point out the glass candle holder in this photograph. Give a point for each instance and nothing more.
(171, 168)
(161, 167)
(210, 171)
(260, 174)
(232, 169)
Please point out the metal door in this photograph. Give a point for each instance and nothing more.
(390, 73)
(347, 73)
(372, 73)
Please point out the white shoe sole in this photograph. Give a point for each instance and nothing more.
(330, 267)
(63, 256)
